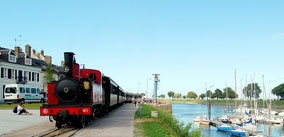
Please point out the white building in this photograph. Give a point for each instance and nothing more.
(19, 67)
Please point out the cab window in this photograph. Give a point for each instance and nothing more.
(10, 90)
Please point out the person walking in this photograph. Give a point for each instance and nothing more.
(135, 102)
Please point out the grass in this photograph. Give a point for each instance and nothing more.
(165, 125)
(155, 129)
(27, 105)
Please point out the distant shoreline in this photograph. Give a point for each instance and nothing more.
(276, 104)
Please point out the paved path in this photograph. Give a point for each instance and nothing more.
(12, 122)
(118, 123)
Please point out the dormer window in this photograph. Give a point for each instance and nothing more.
(12, 58)
(28, 61)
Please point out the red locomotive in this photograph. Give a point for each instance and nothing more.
(80, 95)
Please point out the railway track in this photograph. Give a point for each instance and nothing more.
(62, 132)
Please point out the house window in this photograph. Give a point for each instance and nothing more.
(15, 75)
(28, 61)
(37, 76)
(3, 72)
(30, 77)
(33, 76)
(9, 73)
(25, 74)
(12, 58)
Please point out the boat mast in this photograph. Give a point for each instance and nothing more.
(236, 90)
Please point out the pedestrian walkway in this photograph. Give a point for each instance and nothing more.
(12, 122)
(118, 123)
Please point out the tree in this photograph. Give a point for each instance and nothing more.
(229, 92)
(202, 96)
(171, 94)
(217, 94)
(162, 96)
(278, 91)
(48, 73)
(252, 90)
(209, 94)
(191, 94)
(177, 95)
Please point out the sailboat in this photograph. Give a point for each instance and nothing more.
(225, 127)
(239, 133)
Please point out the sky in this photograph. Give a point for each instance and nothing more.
(193, 45)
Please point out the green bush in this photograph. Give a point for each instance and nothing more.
(169, 122)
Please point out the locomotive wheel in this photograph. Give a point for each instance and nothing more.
(58, 123)
(82, 122)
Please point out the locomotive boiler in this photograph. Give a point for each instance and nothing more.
(80, 95)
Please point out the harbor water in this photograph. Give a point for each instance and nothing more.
(186, 112)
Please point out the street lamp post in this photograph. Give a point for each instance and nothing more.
(156, 80)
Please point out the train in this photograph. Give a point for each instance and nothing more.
(81, 95)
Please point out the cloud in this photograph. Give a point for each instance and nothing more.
(279, 35)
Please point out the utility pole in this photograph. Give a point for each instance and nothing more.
(156, 80)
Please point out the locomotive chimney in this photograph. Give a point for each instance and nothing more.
(68, 59)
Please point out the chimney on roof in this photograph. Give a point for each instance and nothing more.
(17, 50)
(48, 59)
(42, 52)
(28, 50)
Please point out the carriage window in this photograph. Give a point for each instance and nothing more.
(22, 90)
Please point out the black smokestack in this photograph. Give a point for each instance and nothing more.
(68, 59)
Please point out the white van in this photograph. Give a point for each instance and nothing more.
(14, 93)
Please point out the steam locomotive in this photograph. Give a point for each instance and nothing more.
(81, 95)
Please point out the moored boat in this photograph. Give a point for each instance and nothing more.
(239, 133)
(225, 127)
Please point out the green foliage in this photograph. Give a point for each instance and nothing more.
(171, 94)
(177, 95)
(217, 94)
(27, 105)
(162, 96)
(209, 94)
(137, 95)
(170, 123)
(191, 94)
(229, 92)
(202, 96)
(48, 73)
(155, 129)
(252, 90)
(279, 91)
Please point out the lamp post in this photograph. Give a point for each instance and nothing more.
(156, 80)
